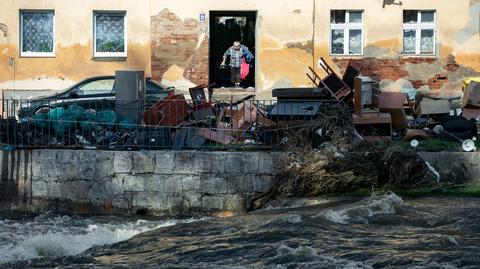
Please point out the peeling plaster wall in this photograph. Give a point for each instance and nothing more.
(168, 38)
(457, 43)
(283, 41)
(74, 43)
(288, 41)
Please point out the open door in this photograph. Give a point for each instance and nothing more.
(225, 28)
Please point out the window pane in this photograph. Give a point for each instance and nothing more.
(110, 32)
(426, 43)
(355, 42)
(337, 41)
(37, 31)
(428, 16)
(355, 16)
(337, 16)
(410, 16)
(97, 87)
(409, 37)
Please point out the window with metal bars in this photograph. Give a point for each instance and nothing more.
(110, 34)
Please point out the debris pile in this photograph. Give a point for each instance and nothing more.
(330, 170)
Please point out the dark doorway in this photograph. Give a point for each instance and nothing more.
(225, 28)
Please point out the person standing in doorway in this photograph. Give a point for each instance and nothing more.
(237, 52)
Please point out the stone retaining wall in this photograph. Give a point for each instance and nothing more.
(124, 182)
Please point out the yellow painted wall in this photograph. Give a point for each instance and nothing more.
(279, 23)
(282, 23)
(383, 27)
(285, 30)
(74, 48)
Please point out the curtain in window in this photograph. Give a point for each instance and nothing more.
(355, 42)
(110, 33)
(409, 38)
(37, 31)
(426, 43)
(337, 41)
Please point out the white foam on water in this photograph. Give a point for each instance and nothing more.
(365, 209)
(59, 237)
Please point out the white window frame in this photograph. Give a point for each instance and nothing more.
(31, 53)
(125, 40)
(418, 27)
(346, 27)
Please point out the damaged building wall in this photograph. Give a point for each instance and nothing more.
(73, 60)
(174, 44)
(457, 43)
(180, 41)
(285, 49)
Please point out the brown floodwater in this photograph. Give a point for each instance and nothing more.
(378, 232)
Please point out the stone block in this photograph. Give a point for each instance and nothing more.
(212, 202)
(152, 200)
(75, 189)
(184, 162)
(214, 185)
(251, 162)
(39, 188)
(173, 184)
(218, 162)
(240, 184)
(262, 183)
(44, 154)
(234, 202)
(202, 162)
(154, 183)
(164, 162)
(234, 164)
(193, 199)
(103, 164)
(191, 183)
(142, 162)
(126, 183)
(265, 164)
(122, 162)
(67, 156)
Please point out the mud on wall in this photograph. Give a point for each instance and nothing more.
(73, 60)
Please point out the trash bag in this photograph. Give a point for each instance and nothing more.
(40, 120)
(126, 124)
(74, 112)
(88, 120)
(106, 118)
(59, 121)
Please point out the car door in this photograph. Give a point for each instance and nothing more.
(97, 94)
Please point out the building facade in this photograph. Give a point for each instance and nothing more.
(430, 45)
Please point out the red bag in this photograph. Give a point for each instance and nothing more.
(244, 69)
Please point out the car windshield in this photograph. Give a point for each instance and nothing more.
(102, 86)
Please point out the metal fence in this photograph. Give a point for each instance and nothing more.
(173, 123)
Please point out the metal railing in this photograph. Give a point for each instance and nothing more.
(172, 123)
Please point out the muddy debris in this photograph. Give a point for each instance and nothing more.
(329, 170)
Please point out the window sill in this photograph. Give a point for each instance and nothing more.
(346, 55)
(110, 55)
(37, 55)
(418, 55)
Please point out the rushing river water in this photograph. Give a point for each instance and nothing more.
(377, 232)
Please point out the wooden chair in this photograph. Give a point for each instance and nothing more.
(340, 89)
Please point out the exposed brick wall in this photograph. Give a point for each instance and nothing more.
(394, 69)
(175, 42)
